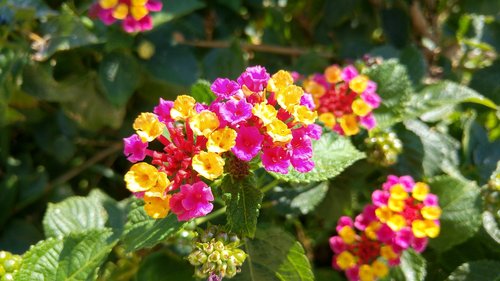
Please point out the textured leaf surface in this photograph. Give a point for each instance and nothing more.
(76, 257)
(142, 231)
(274, 255)
(160, 266)
(394, 87)
(413, 266)
(201, 92)
(461, 205)
(476, 271)
(119, 75)
(443, 96)
(440, 151)
(491, 226)
(332, 155)
(299, 199)
(75, 214)
(243, 204)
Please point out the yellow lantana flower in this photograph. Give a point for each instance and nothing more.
(359, 83)
(148, 127)
(208, 164)
(332, 74)
(431, 212)
(279, 80)
(141, 177)
(265, 112)
(121, 11)
(158, 190)
(304, 115)
(420, 191)
(396, 222)
(279, 131)
(157, 207)
(221, 140)
(366, 273)
(328, 119)
(289, 96)
(380, 269)
(349, 124)
(204, 123)
(387, 252)
(396, 205)
(398, 192)
(346, 260)
(108, 4)
(183, 107)
(138, 12)
(383, 213)
(360, 107)
(347, 234)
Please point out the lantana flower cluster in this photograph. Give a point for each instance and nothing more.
(403, 215)
(255, 117)
(133, 14)
(344, 99)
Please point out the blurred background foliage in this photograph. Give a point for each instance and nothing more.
(70, 87)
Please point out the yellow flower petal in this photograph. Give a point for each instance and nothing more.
(418, 228)
(431, 212)
(279, 131)
(204, 123)
(156, 207)
(358, 84)
(360, 107)
(396, 222)
(366, 273)
(183, 107)
(148, 127)
(221, 140)
(138, 12)
(380, 269)
(121, 11)
(349, 124)
(396, 205)
(347, 234)
(431, 228)
(159, 189)
(332, 74)
(383, 213)
(208, 164)
(328, 119)
(346, 260)
(304, 115)
(289, 96)
(141, 177)
(388, 253)
(279, 80)
(398, 192)
(108, 4)
(420, 191)
(265, 112)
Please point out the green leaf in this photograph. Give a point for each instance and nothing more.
(90, 110)
(491, 226)
(75, 214)
(18, 235)
(117, 211)
(486, 81)
(299, 199)
(274, 255)
(441, 97)
(440, 151)
(76, 257)
(476, 271)
(119, 75)
(228, 62)
(413, 266)
(461, 204)
(201, 92)
(243, 204)
(415, 63)
(176, 9)
(331, 155)
(394, 87)
(159, 265)
(142, 231)
(65, 32)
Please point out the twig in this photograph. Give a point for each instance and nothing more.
(210, 216)
(74, 172)
(289, 51)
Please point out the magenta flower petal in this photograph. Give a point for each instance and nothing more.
(404, 238)
(308, 101)
(419, 244)
(146, 23)
(162, 110)
(302, 164)
(254, 78)
(372, 99)
(248, 143)
(348, 73)
(192, 201)
(368, 121)
(224, 88)
(130, 25)
(337, 244)
(276, 159)
(431, 200)
(344, 221)
(154, 6)
(134, 148)
(380, 198)
(235, 112)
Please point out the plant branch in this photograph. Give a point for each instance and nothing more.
(270, 186)
(210, 216)
(288, 51)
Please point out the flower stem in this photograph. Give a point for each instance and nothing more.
(270, 186)
(210, 216)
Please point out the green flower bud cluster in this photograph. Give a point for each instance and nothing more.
(216, 252)
(383, 148)
(9, 264)
(123, 267)
(491, 193)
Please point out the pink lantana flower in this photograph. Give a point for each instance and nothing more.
(192, 201)
(134, 148)
(248, 143)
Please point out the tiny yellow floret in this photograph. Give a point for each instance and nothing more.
(279, 80)
(359, 83)
(208, 164)
(141, 177)
(360, 107)
(204, 123)
(148, 127)
(183, 107)
(221, 140)
(349, 124)
(279, 131)
(420, 191)
(346, 260)
(265, 112)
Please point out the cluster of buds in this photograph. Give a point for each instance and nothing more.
(216, 254)
(383, 148)
(403, 215)
(9, 264)
(134, 14)
(256, 117)
(491, 193)
(344, 99)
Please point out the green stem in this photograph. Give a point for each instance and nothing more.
(210, 216)
(270, 186)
